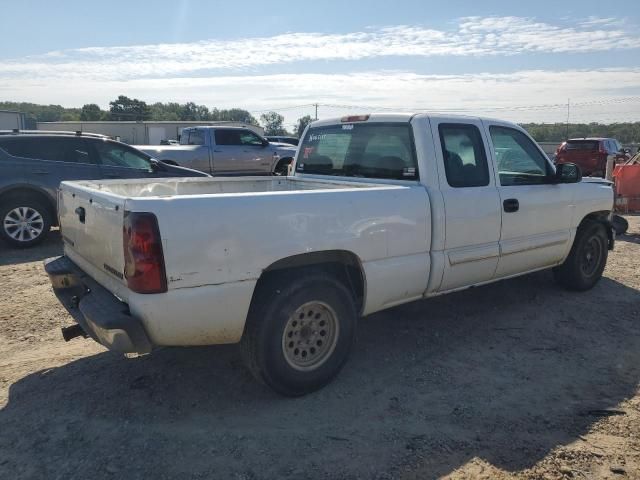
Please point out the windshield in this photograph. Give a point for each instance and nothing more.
(370, 150)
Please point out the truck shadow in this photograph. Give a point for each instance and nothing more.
(505, 373)
(50, 247)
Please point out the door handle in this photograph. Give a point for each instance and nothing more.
(511, 205)
(113, 176)
(217, 151)
(81, 213)
(40, 172)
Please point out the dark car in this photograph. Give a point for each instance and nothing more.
(590, 154)
(32, 165)
(281, 139)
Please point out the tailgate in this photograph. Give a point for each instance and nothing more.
(91, 225)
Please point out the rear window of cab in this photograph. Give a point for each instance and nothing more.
(368, 150)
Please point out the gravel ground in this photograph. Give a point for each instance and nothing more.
(513, 380)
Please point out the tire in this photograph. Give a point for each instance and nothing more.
(276, 336)
(23, 235)
(586, 261)
(282, 167)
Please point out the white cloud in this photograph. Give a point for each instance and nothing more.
(510, 96)
(472, 36)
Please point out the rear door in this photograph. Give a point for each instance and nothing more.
(201, 143)
(46, 161)
(536, 213)
(471, 202)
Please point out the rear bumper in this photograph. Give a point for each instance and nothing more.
(100, 314)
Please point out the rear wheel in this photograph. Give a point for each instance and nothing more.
(299, 333)
(584, 266)
(25, 222)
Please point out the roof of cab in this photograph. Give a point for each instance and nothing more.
(397, 117)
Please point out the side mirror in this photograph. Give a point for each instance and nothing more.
(568, 173)
(265, 142)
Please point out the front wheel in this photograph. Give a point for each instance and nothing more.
(299, 333)
(25, 222)
(584, 266)
(282, 168)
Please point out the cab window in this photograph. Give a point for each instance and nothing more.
(115, 155)
(465, 160)
(520, 162)
(368, 150)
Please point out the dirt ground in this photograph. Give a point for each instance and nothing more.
(514, 380)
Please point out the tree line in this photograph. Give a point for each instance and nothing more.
(125, 108)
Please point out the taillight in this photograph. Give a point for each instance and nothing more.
(601, 149)
(143, 257)
(561, 148)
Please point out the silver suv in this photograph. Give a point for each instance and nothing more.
(32, 165)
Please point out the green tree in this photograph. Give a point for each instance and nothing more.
(272, 123)
(191, 111)
(233, 115)
(302, 124)
(125, 108)
(90, 112)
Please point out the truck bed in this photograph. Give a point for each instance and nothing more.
(219, 234)
(143, 188)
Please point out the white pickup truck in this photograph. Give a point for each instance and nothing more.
(381, 210)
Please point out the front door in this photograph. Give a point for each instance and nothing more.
(536, 213)
(239, 152)
(472, 212)
(120, 161)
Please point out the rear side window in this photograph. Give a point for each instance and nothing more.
(465, 160)
(62, 149)
(585, 145)
(192, 137)
(368, 150)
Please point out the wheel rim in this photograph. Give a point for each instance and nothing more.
(23, 224)
(310, 336)
(591, 255)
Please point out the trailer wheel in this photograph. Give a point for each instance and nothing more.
(299, 332)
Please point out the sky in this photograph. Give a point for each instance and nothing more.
(521, 61)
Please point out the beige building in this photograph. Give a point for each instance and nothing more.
(10, 120)
(138, 133)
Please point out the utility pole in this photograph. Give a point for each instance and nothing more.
(568, 110)
(316, 105)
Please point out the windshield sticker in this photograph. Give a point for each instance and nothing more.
(409, 172)
(348, 127)
(308, 151)
(316, 137)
